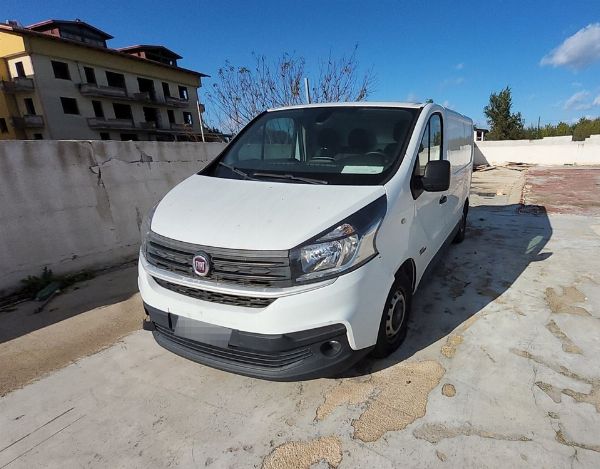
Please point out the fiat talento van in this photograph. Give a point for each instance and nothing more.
(298, 249)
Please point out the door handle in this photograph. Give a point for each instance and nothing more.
(443, 199)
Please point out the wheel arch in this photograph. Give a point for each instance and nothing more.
(409, 270)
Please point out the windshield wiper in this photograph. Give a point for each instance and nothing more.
(237, 171)
(290, 177)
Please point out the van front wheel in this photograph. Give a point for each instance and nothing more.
(394, 321)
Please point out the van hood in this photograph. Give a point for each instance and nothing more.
(257, 215)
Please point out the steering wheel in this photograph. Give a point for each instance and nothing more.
(385, 159)
(323, 158)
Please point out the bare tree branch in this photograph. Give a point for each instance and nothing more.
(240, 93)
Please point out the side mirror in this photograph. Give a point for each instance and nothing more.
(437, 176)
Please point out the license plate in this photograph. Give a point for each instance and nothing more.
(202, 332)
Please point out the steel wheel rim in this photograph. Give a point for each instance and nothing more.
(395, 314)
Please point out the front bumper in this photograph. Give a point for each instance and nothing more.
(347, 310)
(355, 300)
(320, 352)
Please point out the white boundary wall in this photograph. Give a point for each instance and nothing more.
(546, 151)
(75, 205)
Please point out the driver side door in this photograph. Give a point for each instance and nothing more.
(430, 207)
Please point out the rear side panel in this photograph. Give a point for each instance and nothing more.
(459, 140)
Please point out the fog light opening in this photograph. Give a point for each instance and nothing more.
(331, 348)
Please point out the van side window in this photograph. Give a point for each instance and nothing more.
(430, 148)
(435, 138)
(423, 156)
(431, 144)
(279, 139)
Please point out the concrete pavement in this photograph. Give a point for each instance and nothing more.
(500, 369)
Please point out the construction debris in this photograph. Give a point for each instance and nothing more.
(518, 166)
(483, 167)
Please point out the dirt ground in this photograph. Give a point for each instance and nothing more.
(500, 367)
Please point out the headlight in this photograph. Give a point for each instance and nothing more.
(145, 228)
(344, 247)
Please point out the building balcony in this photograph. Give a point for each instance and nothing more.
(181, 127)
(144, 97)
(102, 123)
(28, 122)
(176, 102)
(149, 125)
(16, 85)
(90, 89)
(101, 91)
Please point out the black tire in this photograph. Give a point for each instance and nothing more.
(462, 227)
(394, 322)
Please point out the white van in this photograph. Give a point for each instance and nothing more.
(297, 250)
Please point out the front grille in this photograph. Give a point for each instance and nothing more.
(270, 360)
(214, 297)
(234, 266)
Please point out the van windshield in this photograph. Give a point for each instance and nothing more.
(319, 145)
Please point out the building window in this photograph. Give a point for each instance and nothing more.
(171, 115)
(166, 90)
(29, 107)
(147, 86)
(69, 105)
(38, 137)
(116, 80)
(183, 93)
(151, 115)
(61, 70)
(3, 126)
(104, 136)
(187, 118)
(127, 137)
(20, 69)
(98, 111)
(90, 75)
(122, 111)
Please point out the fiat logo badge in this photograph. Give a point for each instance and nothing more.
(201, 264)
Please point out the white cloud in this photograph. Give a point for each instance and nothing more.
(578, 102)
(447, 104)
(459, 66)
(597, 101)
(578, 50)
(576, 84)
(412, 98)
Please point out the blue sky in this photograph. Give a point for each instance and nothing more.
(453, 52)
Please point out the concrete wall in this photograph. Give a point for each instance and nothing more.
(74, 205)
(549, 150)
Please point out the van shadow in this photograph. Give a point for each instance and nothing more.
(107, 288)
(501, 242)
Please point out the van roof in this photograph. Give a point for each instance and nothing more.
(353, 104)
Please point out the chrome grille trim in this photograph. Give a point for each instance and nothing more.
(236, 266)
(226, 288)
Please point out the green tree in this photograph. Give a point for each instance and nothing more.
(504, 125)
(562, 129)
(586, 127)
